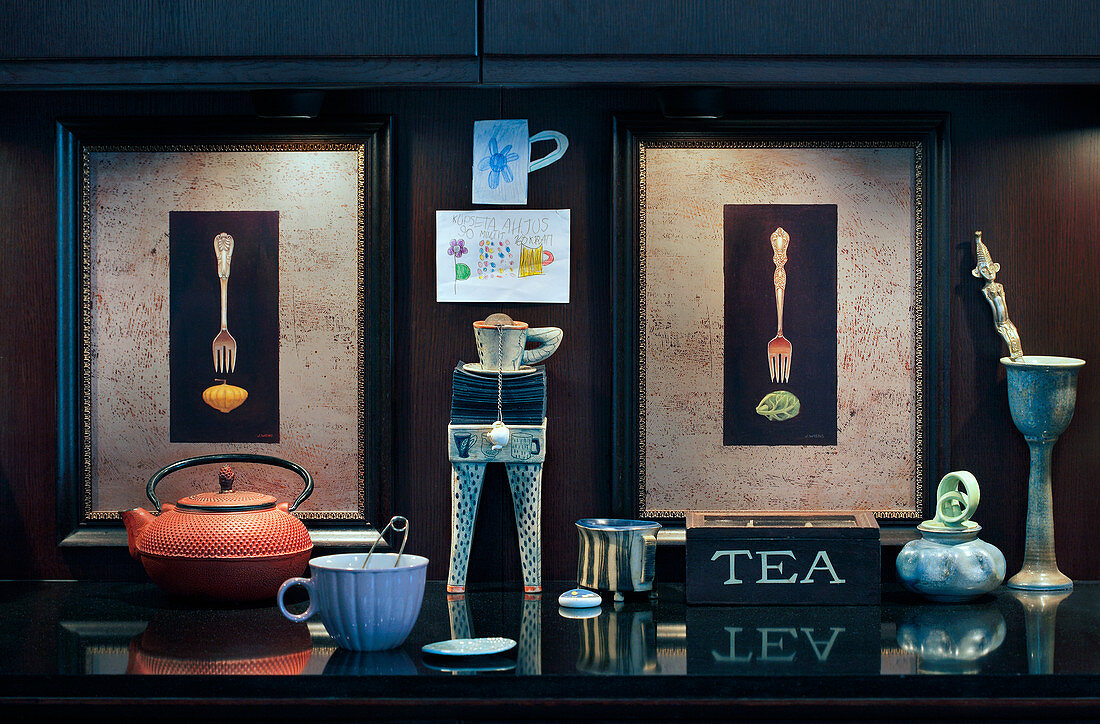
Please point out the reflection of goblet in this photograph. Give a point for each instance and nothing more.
(1040, 614)
(1042, 392)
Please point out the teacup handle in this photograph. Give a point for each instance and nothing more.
(563, 145)
(548, 339)
(305, 583)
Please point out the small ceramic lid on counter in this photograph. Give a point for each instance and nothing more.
(579, 598)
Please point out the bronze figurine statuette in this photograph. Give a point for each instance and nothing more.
(995, 295)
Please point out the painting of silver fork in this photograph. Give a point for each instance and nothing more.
(779, 348)
(241, 389)
(225, 347)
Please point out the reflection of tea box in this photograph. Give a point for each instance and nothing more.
(782, 558)
(784, 640)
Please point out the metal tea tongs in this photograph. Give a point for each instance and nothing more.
(398, 524)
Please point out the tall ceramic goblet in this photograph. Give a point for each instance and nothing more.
(1042, 392)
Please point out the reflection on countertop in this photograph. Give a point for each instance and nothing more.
(124, 628)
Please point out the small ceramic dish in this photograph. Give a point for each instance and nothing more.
(469, 647)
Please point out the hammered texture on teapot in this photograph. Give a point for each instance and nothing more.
(226, 535)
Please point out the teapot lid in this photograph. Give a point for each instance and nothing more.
(957, 498)
(226, 500)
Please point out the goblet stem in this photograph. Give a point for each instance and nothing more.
(1040, 570)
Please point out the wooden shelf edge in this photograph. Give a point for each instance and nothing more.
(892, 535)
(213, 74)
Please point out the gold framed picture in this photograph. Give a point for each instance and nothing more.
(213, 281)
(780, 312)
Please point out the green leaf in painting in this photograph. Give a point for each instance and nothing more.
(778, 406)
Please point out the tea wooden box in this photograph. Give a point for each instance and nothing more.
(784, 558)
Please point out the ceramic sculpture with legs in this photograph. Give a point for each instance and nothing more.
(471, 450)
(476, 437)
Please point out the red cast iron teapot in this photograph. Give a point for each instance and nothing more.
(230, 545)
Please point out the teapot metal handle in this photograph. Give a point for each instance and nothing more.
(151, 486)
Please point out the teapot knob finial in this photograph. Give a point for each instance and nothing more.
(957, 498)
(225, 479)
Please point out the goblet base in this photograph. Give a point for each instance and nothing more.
(1031, 579)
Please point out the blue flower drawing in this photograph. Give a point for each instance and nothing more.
(496, 163)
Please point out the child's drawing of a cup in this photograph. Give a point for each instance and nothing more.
(502, 159)
(532, 258)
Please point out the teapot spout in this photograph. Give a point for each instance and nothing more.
(135, 521)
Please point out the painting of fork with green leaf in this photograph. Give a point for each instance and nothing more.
(780, 324)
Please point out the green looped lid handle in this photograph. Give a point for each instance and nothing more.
(957, 498)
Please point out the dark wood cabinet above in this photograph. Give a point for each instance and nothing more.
(57, 43)
(780, 42)
(891, 28)
(241, 28)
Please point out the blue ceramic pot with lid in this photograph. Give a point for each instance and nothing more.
(950, 563)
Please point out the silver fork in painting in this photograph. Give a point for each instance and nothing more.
(617, 555)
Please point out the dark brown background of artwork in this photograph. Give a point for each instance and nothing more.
(252, 313)
(809, 322)
(1025, 168)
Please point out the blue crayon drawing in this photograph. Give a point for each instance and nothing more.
(502, 159)
(496, 163)
(502, 153)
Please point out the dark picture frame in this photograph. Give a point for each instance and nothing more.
(636, 139)
(361, 208)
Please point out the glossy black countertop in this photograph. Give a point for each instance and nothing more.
(86, 646)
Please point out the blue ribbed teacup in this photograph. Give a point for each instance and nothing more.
(363, 609)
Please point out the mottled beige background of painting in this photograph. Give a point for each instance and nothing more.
(316, 195)
(873, 466)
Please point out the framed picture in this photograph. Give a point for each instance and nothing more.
(213, 282)
(780, 289)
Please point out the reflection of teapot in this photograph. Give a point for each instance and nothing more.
(952, 640)
(211, 641)
(620, 641)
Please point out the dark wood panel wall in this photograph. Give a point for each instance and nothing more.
(1025, 169)
(211, 29)
(960, 28)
